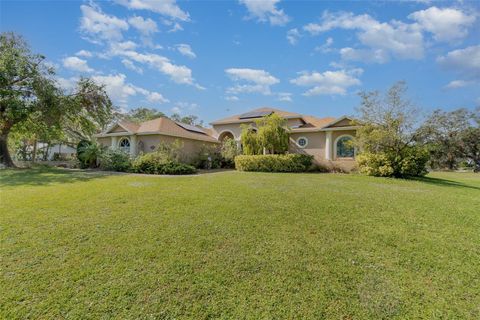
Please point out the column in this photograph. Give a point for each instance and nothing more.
(114, 142)
(133, 145)
(328, 145)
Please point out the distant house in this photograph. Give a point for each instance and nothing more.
(327, 139)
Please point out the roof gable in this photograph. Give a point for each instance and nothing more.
(343, 121)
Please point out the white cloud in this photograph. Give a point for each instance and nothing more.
(255, 81)
(266, 10)
(120, 91)
(465, 62)
(232, 98)
(285, 96)
(84, 53)
(186, 50)
(168, 8)
(94, 23)
(76, 64)
(131, 66)
(446, 24)
(146, 27)
(293, 35)
(364, 55)
(401, 40)
(328, 82)
(455, 84)
(177, 73)
(156, 97)
(326, 47)
(184, 107)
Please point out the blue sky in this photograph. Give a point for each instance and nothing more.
(216, 58)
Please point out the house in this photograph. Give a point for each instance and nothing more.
(135, 138)
(327, 139)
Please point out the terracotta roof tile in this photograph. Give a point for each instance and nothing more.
(168, 127)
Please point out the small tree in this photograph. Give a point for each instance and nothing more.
(273, 134)
(250, 142)
(386, 137)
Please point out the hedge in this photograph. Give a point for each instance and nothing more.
(274, 162)
(154, 163)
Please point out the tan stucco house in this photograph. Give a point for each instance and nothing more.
(327, 139)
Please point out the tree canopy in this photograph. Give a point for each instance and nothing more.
(29, 93)
(386, 137)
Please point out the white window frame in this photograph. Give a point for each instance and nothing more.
(298, 144)
(335, 147)
(129, 144)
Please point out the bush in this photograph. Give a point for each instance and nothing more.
(274, 162)
(229, 151)
(410, 163)
(208, 157)
(159, 163)
(88, 154)
(115, 160)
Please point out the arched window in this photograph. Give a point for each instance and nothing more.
(124, 145)
(344, 147)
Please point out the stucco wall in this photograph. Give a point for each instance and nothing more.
(148, 143)
(316, 148)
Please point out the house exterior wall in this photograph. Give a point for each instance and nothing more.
(317, 148)
(148, 143)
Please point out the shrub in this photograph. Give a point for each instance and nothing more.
(208, 157)
(229, 151)
(410, 163)
(115, 160)
(158, 163)
(88, 153)
(274, 162)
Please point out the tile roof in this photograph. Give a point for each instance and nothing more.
(236, 118)
(168, 127)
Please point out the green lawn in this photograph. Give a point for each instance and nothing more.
(238, 245)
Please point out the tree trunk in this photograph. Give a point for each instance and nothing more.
(5, 158)
(34, 153)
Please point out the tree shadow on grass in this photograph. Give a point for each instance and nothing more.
(445, 182)
(45, 176)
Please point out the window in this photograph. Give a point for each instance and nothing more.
(302, 142)
(344, 147)
(124, 145)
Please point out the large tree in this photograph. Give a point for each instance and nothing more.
(143, 114)
(442, 132)
(29, 92)
(386, 138)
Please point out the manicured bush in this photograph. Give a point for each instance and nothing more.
(274, 162)
(158, 163)
(115, 160)
(410, 163)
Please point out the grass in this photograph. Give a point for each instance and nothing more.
(239, 246)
